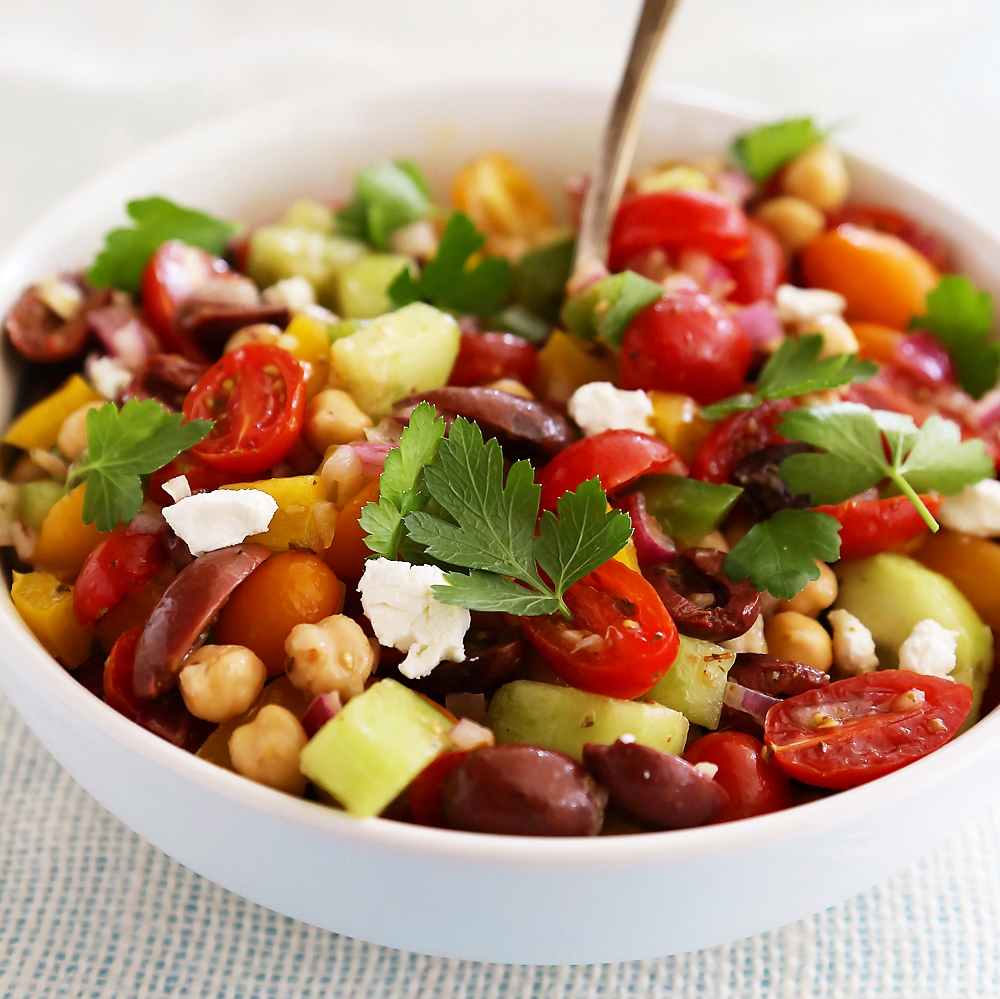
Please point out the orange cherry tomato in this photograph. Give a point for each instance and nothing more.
(288, 589)
(869, 527)
(883, 278)
(348, 553)
(876, 342)
(972, 564)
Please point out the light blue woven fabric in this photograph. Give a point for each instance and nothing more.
(88, 909)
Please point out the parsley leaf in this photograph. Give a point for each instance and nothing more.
(540, 278)
(770, 147)
(605, 309)
(401, 483)
(780, 554)
(387, 196)
(448, 283)
(794, 369)
(126, 251)
(961, 319)
(123, 445)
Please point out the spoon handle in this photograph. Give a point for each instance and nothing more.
(621, 132)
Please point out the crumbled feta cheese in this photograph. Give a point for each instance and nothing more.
(627, 738)
(750, 641)
(468, 734)
(62, 296)
(975, 510)
(930, 649)
(107, 375)
(177, 488)
(804, 305)
(398, 600)
(318, 312)
(853, 645)
(418, 239)
(708, 770)
(223, 517)
(599, 406)
(295, 294)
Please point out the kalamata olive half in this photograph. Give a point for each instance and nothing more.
(703, 601)
(211, 324)
(775, 677)
(525, 428)
(764, 491)
(653, 788)
(518, 790)
(39, 334)
(166, 377)
(487, 665)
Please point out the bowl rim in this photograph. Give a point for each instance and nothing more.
(639, 848)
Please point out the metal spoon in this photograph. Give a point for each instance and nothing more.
(621, 132)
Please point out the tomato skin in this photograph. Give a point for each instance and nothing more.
(118, 692)
(630, 660)
(875, 735)
(762, 270)
(737, 436)
(426, 804)
(488, 357)
(118, 566)
(678, 220)
(257, 396)
(617, 457)
(871, 526)
(754, 786)
(688, 343)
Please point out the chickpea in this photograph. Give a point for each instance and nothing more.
(817, 595)
(267, 749)
(512, 387)
(838, 337)
(331, 656)
(333, 417)
(714, 539)
(818, 176)
(219, 682)
(794, 636)
(795, 222)
(72, 439)
(257, 333)
(750, 641)
(341, 473)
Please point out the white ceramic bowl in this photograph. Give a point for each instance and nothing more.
(447, 893)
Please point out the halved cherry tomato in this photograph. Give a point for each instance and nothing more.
(762, 270)
(426, 805)
(871, 526)
(621, 640)
(678, 220)
(257, 396)
(686, 342)
(201, 478)
(754, 786)
(118, 691)
(855, 730)
(117, 567)
(737, 436)
(488, 357)
(348, 552)
(617, 457)
(895, 223)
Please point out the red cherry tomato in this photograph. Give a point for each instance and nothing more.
(898, 224)
(855, 730)
(621, 639)
(257, 396)
(201, 478)
(678, 220)
(487, 357)
(762, 270)
(616, 457)
(117, 567)
(118, 691)
(871, 526)
(737, 436)
(754, 787)
(686, 342)
(426, 805)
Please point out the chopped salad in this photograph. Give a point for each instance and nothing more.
(379, 505)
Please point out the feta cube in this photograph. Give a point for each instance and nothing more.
(107, 375)
(930, 649)
(295, 294)
(853, 645)
(398, 600)
(223, 517)
(975, 510)
(61, 295)
(750, 641)
(177, 488)
(805, 305)
(599, 406)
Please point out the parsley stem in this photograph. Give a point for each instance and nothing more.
(908, 491)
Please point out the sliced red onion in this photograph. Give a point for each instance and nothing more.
(986, 411)
(149, 520)
(652, 546)
(751, 702)
(761, 324)
(924, 359)
(734, 186)
(322, 709)
(123, 334)
(372, 455)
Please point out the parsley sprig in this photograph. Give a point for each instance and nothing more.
(387, 196)
(770, 147)
(794, 369)
(122, 446)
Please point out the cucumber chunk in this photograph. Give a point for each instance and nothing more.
(309, 215)
(696, 682)
(363, 286)
(563, 718)
(37, 498)
(375, 746)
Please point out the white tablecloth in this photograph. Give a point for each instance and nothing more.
(89, 909)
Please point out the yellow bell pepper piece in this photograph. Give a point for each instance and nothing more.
(64, 540)
(39, 426)
(46, 607)
(307, 341)
(304, 519)
(676, 420)
(566, 362)
(972, 564)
